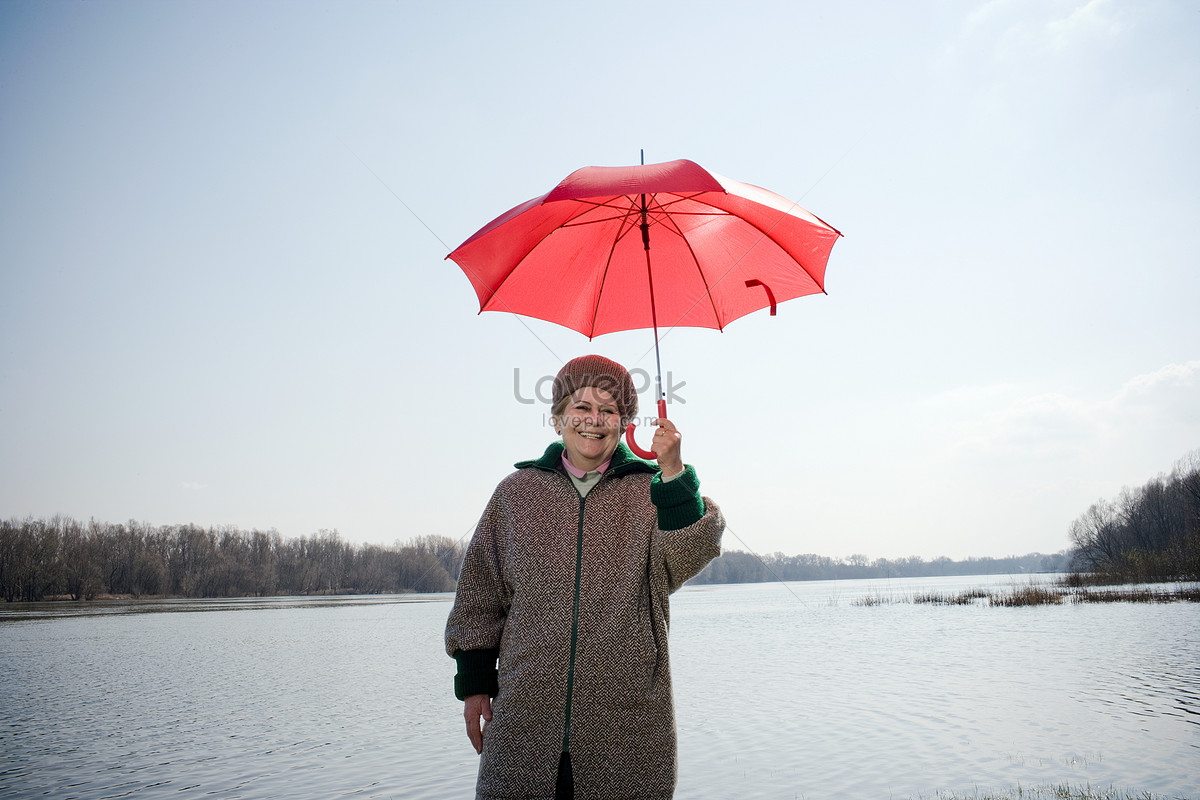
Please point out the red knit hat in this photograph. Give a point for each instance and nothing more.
(602, 373)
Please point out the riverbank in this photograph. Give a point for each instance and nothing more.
(1036, 594)
(1060, 792)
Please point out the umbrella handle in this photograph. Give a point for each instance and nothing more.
(650, 455)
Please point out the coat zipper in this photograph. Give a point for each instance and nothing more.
(566, 746)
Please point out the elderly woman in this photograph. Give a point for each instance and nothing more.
(565, 584)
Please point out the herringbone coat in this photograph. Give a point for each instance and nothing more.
(516, 596)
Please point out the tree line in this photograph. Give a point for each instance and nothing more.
(62, 557)
(737, 566)
(1149, 533)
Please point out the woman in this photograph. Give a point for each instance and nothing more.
(566, 585)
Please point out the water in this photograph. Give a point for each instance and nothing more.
(781, 692)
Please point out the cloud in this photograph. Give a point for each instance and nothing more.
(1029, 79)
(192, 486)
(1163, 404)
(1164, 379)
(1040, 426)
(1016, 28)
(1093, 19)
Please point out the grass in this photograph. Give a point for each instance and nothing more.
(874, 599)
(1034, 594)
(1138, 595)
(1060, 792)
(1030, 595)
(964, 598)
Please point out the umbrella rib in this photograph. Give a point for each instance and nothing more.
(576, 223)
(621, 212)
(516, 264)
(626, 227)
(767, 235)
(509, 309)
(665, 208)
(594, 221)
(764, 235)
(624, 211)
(494, 292)
(668, 218)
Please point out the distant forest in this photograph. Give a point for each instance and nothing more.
(62, 557)
(1147, 534)
(1150, 533)
(736, 566)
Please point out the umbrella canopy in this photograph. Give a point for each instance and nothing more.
(711, 250)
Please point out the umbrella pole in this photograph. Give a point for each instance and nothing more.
(658, 390)
(662, 401)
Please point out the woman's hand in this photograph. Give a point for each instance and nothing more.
(476, 706)
(666, 444)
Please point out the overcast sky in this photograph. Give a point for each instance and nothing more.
(223, 298)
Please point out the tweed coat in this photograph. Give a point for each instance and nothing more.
(570, 594)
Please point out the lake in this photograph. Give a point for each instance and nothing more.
(782, 691)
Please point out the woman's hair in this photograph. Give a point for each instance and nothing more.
(560, 405)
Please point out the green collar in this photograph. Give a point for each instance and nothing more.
(623, 460)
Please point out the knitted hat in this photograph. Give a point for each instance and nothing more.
(601, 373)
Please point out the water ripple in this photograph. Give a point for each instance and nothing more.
(778, 695)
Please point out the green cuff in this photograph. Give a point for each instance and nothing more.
(678, 501)
(476, 673)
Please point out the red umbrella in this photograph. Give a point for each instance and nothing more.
(710, 250)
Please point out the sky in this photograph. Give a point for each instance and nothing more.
(224, 299)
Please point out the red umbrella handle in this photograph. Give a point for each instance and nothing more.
(633, 445)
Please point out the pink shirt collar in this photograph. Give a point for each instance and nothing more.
(579, 473)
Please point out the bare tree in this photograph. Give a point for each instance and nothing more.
(1095, 536)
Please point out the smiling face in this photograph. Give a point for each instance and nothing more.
(590, 426)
